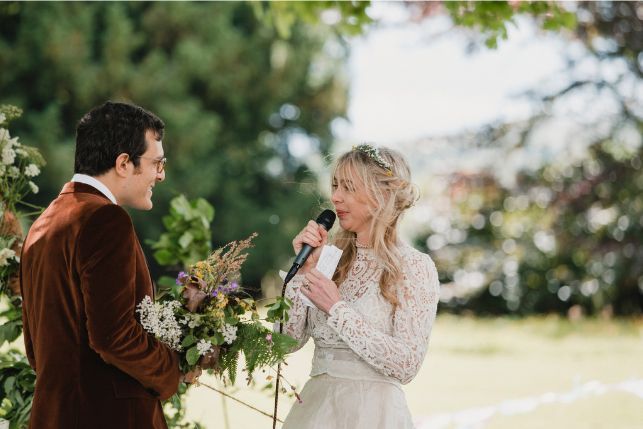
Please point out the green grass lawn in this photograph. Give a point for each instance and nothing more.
(476, 363)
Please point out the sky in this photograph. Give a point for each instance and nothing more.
(409, 81)
(414, 85)
(419, 87)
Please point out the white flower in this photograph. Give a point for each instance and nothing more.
(32, 170)
(5, 256)
(21, 152)
(204, 347)
(158, 319)
(192, 320)
(13, 171)
(8, 155)
(4, 135)
(2, 118)
(229, 333)
(34, 187)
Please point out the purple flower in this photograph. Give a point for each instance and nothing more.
(180, 279)
(225, 288)
(269, 338)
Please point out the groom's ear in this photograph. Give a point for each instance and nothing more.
(122, 165)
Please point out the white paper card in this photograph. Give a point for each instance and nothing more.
(327, 264)
(328, 260)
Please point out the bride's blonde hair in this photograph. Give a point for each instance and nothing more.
(386, 179)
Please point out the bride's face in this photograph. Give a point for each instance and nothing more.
(352, 205)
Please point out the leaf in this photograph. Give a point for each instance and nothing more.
(217, 339)
(186, 239)
(168, 222)
(164, 257)
(166, 281)
(8, 384)
(10, 331)
(192, 356)
(279, 310)
(206, 209)
(188, 341)
(231, 320)
(181, 206)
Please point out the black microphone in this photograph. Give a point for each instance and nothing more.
(326, 219)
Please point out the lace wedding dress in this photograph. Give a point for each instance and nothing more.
(364, 350)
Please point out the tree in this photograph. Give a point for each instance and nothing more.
(567, 233)
(241, 105)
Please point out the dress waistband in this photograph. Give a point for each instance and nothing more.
(344, 363)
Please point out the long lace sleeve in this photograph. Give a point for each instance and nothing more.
(296, 326)
(399, 355)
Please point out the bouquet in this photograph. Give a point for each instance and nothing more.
(210, 320)
(19, 165)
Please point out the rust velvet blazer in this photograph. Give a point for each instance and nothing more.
(82, 274)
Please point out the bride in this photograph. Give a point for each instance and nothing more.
(373, 320)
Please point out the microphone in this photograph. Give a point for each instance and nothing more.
(326, 219)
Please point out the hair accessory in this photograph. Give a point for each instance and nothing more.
(374, 154)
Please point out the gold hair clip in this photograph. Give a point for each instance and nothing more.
(374, 154)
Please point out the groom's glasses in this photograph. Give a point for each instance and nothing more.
(160, 163)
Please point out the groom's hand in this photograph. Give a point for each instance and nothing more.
(191, 376)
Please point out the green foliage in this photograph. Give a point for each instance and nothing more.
(566, 235)
(19, 164)
(232, 93)
(11, 327)
(491, 18)
(221, 303)
(9, 113)
(192, 355)
(279, 310)
(17, 381)
(9, 256)
(187, 238)
(174, 410)
(349, 18)
(258, 349)
(566, 238)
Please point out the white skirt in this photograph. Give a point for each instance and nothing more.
(340, 403)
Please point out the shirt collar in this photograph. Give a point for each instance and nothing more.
(95, 183)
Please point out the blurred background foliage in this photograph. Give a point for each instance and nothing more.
(245, 87)
(233, 95)
(565, 236)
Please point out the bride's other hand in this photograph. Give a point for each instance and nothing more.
(315, 236)
(322, 291)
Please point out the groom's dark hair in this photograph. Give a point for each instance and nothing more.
(107, 131)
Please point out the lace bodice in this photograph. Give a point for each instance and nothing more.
(392, 343)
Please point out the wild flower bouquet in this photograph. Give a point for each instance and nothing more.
(19, 165)
(210, 320)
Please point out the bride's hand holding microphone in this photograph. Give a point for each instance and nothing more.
(322, 291)
(316, 237)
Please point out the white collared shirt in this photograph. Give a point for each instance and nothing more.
(95, 183)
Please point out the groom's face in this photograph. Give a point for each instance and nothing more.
(138, 189)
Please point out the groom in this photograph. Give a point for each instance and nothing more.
(82, 274)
